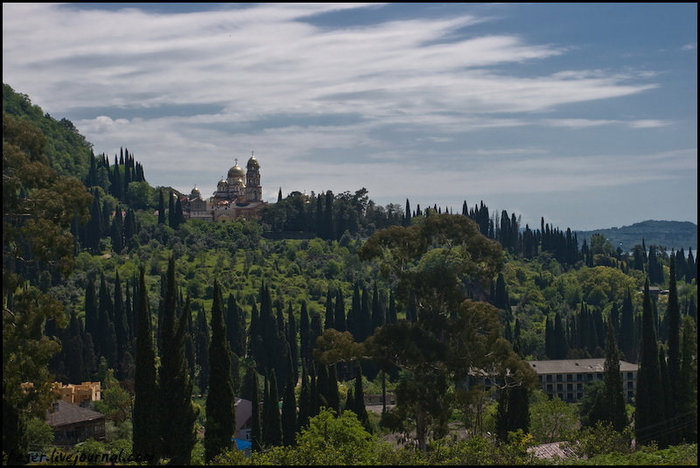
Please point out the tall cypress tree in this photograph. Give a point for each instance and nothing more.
(673, 314)
(146, 429)
(202, 351)
(329, 317)
(256, 424)
(305, 336)
(235, 326)
(359, 400)
(688, 391)
(614, 396)
(221, 417)
(304, 400)
(649, 411)
(378, 316)
(272, 423)
(176, 410)
(339, 315)
(293, 343)
(289, 413)
(161, 207)
(627, 335)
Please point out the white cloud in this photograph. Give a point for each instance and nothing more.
(408, 85)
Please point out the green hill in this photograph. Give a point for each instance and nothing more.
(68, 150)
(668, 234)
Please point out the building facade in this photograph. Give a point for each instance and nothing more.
(238, 195)
(566, 378)
(72, 423)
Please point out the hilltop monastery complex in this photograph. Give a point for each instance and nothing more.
(238, 195)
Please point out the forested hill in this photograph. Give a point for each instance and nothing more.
(669, 234)
(68, 150)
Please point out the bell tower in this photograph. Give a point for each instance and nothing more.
(253, 189)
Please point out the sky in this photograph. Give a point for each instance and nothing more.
(584, 114)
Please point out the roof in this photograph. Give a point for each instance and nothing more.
(68, 413)
(577, 366)
(551, 450)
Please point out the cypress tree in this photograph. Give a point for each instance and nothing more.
(412, 308)
(353, 319)
(365, 322)
(91, 314)
(673, 313)
(614, 393)
(293, 343)
(272, 422)
(121, 327)
(106, 339)
(221, 417)
(688, 391)
(202, 351)
(235, 326)
(161, 207)
(649, 392)
(256, 426)
(305, 335)
(378, 316)
(330, 312)
(146, 430)
(391, 316)
(289, 413)
(177, 412)
(339, 316)
(172, 215)
(359, 400)
(304, 400)
(627, 335)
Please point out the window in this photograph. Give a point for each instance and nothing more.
(560, 387)
(549, 387)
(589, 377)
(549, 377)
(569, 387)
(599, 376)
(559, 378)
(579, 377)
(630, 375)
(630, 385)
(579, 386)
(569, 378)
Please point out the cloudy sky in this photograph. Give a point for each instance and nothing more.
(583, 114)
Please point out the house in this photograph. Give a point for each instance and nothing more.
(72, 423)
(566, 378)
(82, 394)
(244, 418)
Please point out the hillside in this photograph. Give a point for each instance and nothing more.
(67, 149)
(669, 234)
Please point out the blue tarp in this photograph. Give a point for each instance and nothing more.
(242, 444)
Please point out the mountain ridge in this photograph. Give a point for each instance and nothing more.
(667, 234)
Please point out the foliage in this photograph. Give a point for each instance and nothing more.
(39, 435)
(552, 420)
(116, 404)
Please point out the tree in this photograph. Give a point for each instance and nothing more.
(649, 411)
(289, 413)
(614, 397)
(687, 404)
(38, 207)
(552, 420)
(202, 351)
(146, 430)
(673, 314)
(221, 417)
(440, 259)
(161, 207)
(513, 411)
(177, 412)
(272, 423)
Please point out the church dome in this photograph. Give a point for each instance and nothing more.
(236, 172)
(195, 193)
(222, 182)
(253, 163)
